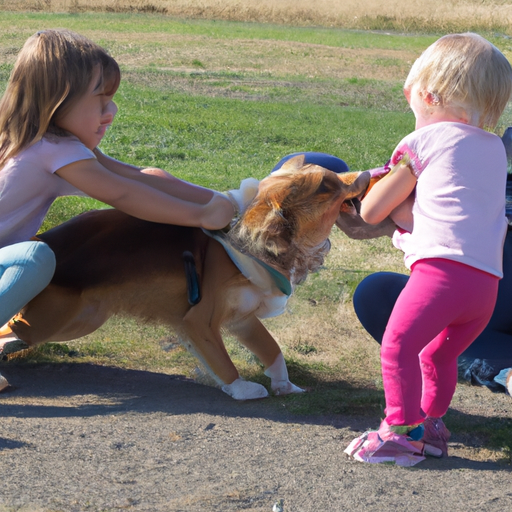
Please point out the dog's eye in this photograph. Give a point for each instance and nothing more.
(325, 187)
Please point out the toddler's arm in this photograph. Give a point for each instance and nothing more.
(387, 194)
(402, 214)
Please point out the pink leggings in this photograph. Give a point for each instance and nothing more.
(440, 312)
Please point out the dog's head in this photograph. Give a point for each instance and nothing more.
(289, 221)
(350, 220)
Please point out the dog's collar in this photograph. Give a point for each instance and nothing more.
(252, 268)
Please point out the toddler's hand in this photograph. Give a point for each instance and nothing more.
(402, 214)
(217, 213)
(379, 172)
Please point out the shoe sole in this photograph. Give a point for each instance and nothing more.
(432, 451)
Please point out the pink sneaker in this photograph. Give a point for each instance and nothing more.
(386, 445)
(415, 435)
(436, 434)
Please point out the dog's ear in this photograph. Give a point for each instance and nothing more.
(270, 223)
(293, 164)
(357, 183)
(264, 227)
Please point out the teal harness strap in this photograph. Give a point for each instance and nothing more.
(282, 282)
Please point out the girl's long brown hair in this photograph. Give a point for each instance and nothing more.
(53, 70)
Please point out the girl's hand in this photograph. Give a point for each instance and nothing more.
(218, 213)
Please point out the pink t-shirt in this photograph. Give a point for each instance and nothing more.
(28, 185)
(459, 208)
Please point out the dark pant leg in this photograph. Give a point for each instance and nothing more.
(374, 299)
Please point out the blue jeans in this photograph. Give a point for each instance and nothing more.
(26, 268)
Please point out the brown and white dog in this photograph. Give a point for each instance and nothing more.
(111, 263)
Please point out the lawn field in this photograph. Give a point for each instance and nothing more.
(217, 101)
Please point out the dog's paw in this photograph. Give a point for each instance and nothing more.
(244, 390)
(285, 387)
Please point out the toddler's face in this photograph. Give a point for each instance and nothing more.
(419, 106)
(428, 109)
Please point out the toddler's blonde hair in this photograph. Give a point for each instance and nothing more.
(465, 71)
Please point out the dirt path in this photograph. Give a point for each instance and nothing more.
(89, 438)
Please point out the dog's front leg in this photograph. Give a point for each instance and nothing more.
(255, 336)
(202, 324)
(207, 344)
(203, 332)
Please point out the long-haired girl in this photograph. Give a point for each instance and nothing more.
(55, 111)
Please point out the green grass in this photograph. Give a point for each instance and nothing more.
(219, 141)
(493, 433)
(147, 23)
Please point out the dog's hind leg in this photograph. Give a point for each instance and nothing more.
(255, 336)
(58, 314)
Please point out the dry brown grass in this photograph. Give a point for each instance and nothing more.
(435, 15)
(329, 324)
(262, 57)
(262, 64)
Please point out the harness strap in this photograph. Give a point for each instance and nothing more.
(258, 272)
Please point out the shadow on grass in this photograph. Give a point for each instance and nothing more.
(57, 390)
(494, 432)
(327, 394)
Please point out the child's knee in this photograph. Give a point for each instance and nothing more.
(41, 266)
(44, 257)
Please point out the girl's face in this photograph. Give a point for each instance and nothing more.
(89, 118)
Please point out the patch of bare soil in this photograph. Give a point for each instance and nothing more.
(277, 58)
(253, 69)
(186, 53)
(91, 438)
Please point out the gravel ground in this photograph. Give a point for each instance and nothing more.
(89, 438)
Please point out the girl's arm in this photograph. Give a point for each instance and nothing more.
(156, 178)
(387, 194)
(144, 201)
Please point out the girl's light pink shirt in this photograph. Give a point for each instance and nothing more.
(29, 185)
(459, 208)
